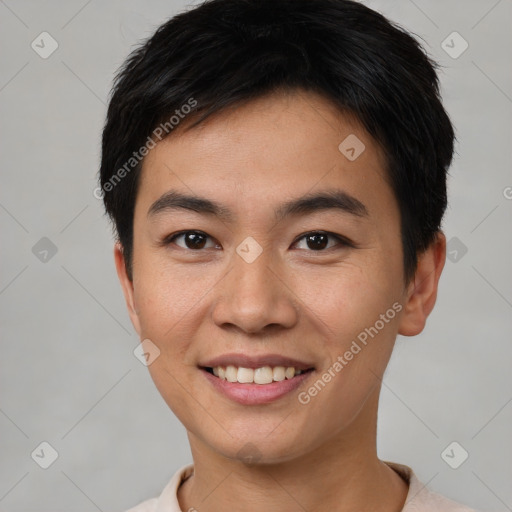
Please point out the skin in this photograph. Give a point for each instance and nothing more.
(195, 304)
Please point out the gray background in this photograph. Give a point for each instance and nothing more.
(68, 373)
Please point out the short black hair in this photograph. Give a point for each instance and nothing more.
(228, 52)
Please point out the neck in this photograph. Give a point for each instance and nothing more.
(343, 473)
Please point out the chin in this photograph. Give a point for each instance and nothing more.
(257, 448)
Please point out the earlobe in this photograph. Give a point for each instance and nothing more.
(421, 293)
(127, 286)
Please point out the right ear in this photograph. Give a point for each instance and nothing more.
(127, 286)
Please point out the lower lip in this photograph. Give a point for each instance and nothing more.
(254, 394)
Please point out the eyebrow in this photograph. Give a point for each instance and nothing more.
(310, 203)
(324, 200)
(174, 200)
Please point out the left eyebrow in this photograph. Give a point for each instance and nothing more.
(308, 204)
(324, 200)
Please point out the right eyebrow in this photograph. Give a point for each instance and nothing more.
(174, 200)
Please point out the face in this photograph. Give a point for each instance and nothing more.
(260, 244)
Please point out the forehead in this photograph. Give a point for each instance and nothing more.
(271, 149)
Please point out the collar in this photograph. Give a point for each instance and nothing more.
(419, 498)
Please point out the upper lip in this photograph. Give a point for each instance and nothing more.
(246, 361)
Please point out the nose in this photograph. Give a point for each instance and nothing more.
(254, 297)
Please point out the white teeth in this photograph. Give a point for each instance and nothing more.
(263, 375)
(245, 375)
(231, 373)
(279, 373)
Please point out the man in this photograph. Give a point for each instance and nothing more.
(276, 174)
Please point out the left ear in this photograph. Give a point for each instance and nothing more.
(422, 290)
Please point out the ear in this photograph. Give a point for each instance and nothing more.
(422, 290)
(127, 286)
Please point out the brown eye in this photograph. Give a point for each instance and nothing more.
(194, 240)
(317, 241)
(320, 240)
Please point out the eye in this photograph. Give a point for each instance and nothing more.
(194, 240)
(319, 240)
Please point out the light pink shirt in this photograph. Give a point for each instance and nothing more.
(419, 498)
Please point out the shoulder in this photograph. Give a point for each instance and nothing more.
(168, 499)
(421, 499)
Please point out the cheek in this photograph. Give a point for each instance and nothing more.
(165, 304)
(165, 294)
(358, 319)
(358, 356)
(169, 302)
(344, 300)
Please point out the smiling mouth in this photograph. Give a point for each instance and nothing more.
(263, 375)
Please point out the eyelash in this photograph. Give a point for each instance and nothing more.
(342, 241)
